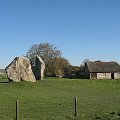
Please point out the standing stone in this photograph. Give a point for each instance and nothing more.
(39, 68)
(20, 70)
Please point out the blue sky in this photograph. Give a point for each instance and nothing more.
(81, 29)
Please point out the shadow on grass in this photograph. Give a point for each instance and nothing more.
(4, 82)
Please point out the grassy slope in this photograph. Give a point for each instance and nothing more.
(55, 97)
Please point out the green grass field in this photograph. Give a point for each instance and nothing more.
(53, 99)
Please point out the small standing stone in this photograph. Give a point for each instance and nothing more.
(39, 68)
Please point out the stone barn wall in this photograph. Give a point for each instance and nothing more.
(117, 75)
(103, 75)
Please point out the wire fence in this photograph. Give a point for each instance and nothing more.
(54, 109)
(7, 110)
(57, 109)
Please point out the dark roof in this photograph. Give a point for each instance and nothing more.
(103, 67)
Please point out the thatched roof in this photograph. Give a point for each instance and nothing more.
(101, 67)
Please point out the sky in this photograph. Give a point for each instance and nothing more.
(81, 29)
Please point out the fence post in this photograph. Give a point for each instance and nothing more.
(75, 106)
(17, 110)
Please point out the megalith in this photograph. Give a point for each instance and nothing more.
(39, 68)
(20, 70)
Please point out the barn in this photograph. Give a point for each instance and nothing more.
(102, 70)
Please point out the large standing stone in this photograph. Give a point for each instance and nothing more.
(20, 70)
(39, 68)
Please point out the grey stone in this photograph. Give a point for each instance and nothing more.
(20, 70)
(39, 68)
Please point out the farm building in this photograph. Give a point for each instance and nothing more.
(102, 70)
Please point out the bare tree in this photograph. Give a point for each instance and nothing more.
(46, 51)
